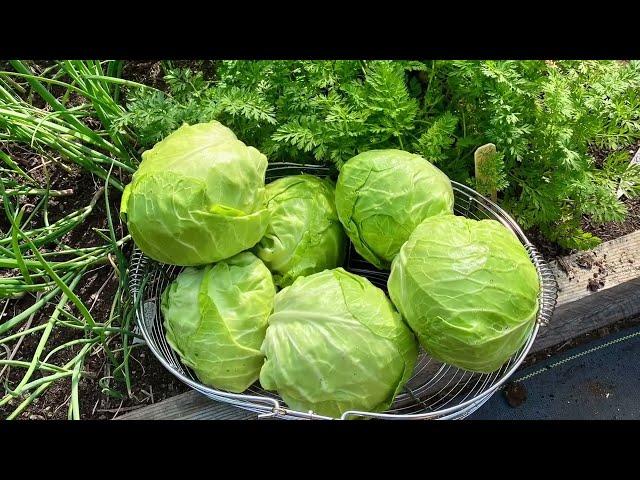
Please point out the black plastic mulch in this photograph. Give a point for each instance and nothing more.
(598, 380)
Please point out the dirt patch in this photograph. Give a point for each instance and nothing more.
(612, 230)
(604, 231)
(515, 393)
(598, 389)
(548, 249)
(592, 262)
(150, 381)
(147, 72)
(594, 284)
(151, 72)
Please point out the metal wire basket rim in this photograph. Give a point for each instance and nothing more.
(200, 387)
(460, 406)
(275, 406)
(487, 202)
(272, 407)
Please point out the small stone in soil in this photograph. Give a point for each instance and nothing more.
(584, 261)
(515, 393)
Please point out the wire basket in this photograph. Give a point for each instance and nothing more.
(435, 391)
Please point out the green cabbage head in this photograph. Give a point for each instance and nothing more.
(215, 318)
(468, 290)
(304, 235)
(336, 343)
(197, 197)
(382, 195)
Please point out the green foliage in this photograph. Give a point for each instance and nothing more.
(314, 111)
(545, 119)
(619, 174)
(436, 140)
(66, 116)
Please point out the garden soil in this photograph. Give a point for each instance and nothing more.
(150, 381)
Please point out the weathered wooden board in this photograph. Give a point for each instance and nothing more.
(590, 313)
(585, 303)
(596, 288)
(189, 406)
(614, 262)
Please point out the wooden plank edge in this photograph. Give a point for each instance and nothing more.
(190, 405)
(587, 273)
(590, 313)
(596, 288)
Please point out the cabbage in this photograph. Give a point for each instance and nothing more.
(468, 290)
(216, 317)
(335, 343)
(304, 235)
(197, 197)
(382, 195)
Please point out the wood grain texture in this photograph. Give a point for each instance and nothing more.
(191, 405)
(615, 262)
(578, 311)
(594, 311)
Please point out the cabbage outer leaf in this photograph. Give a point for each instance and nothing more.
(197, 197)
(335, 343)
(468, 290)
(216, 318)
(304, 235)
(382, 195)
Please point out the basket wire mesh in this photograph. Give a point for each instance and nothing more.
(435, 391)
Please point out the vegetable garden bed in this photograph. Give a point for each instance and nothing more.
(76, 170)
